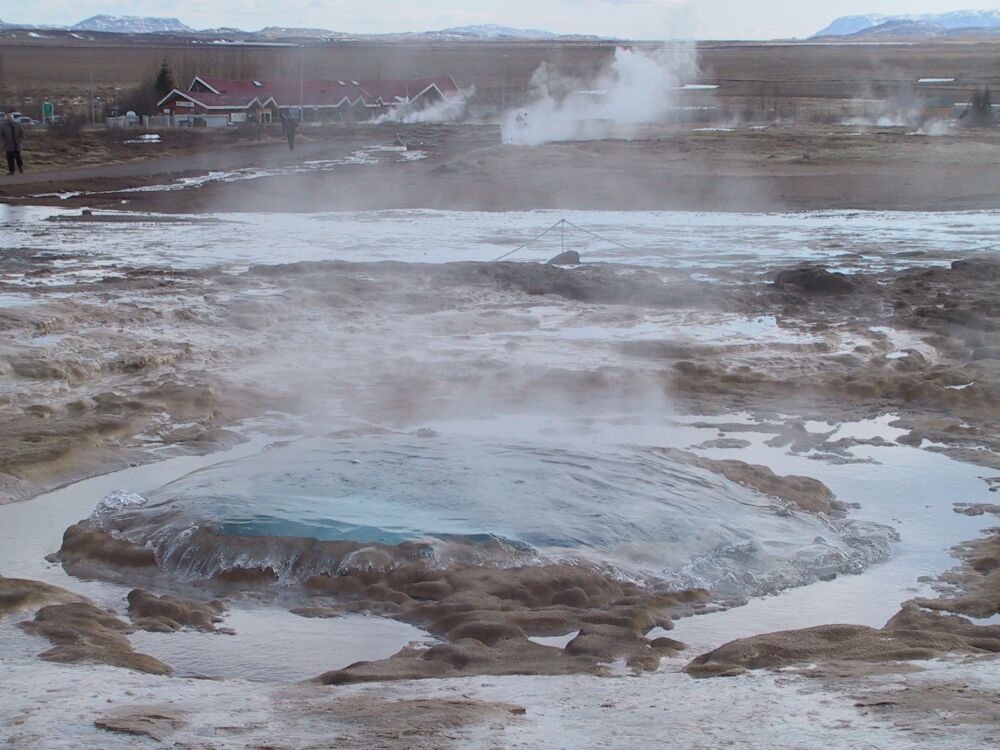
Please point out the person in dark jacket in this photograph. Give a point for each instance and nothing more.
(11, 136)
(288, 125)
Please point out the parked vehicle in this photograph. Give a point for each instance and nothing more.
(21, 118)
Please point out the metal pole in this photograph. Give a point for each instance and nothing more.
(91, 56)
(563, 222)
(302, 109)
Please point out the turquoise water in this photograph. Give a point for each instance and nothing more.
(633, 510)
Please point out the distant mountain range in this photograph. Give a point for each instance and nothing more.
(928, 24)
(492, 31)
(130, 25)
(151, 25)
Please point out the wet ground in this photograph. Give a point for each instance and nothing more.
(130, 341)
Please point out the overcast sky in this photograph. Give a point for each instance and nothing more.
(637, 19)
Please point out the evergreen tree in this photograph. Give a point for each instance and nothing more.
(164, 80)
(980, 112)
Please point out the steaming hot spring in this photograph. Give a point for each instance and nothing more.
(339, 505)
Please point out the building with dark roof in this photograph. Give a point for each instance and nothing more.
(218, 102)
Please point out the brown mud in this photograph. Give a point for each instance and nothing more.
(659, 168)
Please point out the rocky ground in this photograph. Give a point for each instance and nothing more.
(144, 360)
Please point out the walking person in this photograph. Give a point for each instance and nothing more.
(288, 125)
(11, 136)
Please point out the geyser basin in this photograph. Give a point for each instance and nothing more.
(340, 504)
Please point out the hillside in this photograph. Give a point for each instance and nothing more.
(928, 24)
(131, 25)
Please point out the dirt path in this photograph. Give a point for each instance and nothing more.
(265, 155)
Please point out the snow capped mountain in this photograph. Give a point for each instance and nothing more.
(130, 25)
(958, 19)
(902, 28)
(966, 19)
(852, 25)
(492, 31)
(153, 25)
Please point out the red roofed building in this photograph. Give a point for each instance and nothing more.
(424, 90)
(217, 102)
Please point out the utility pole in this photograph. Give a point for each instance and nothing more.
(302, 57)
(90, 56)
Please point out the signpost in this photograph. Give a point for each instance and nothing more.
(48, 113)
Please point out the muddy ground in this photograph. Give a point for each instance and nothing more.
(147, 360)
(115, 381)
(467, 167)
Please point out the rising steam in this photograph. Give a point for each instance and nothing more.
(637, 87)
(445, 110)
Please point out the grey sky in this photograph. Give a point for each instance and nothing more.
(639, 19)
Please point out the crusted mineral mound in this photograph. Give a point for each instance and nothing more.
(83, 633)
(488, 616)
(805, 492)
(21, 595)
(974, 586)
(815, 280)
(911, 634)
(170, 613)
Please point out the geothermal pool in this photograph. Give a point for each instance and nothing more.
(516, 488)
(683, 523)
(478, 500)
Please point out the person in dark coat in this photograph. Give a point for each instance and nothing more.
(288, 125)
(11, 136)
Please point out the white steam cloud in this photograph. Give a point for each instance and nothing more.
(637, 87)
(445, 110)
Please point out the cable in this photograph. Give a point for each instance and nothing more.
(531, 242)
(605, 239)
(564, 223)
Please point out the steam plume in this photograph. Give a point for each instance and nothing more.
(637, 87)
